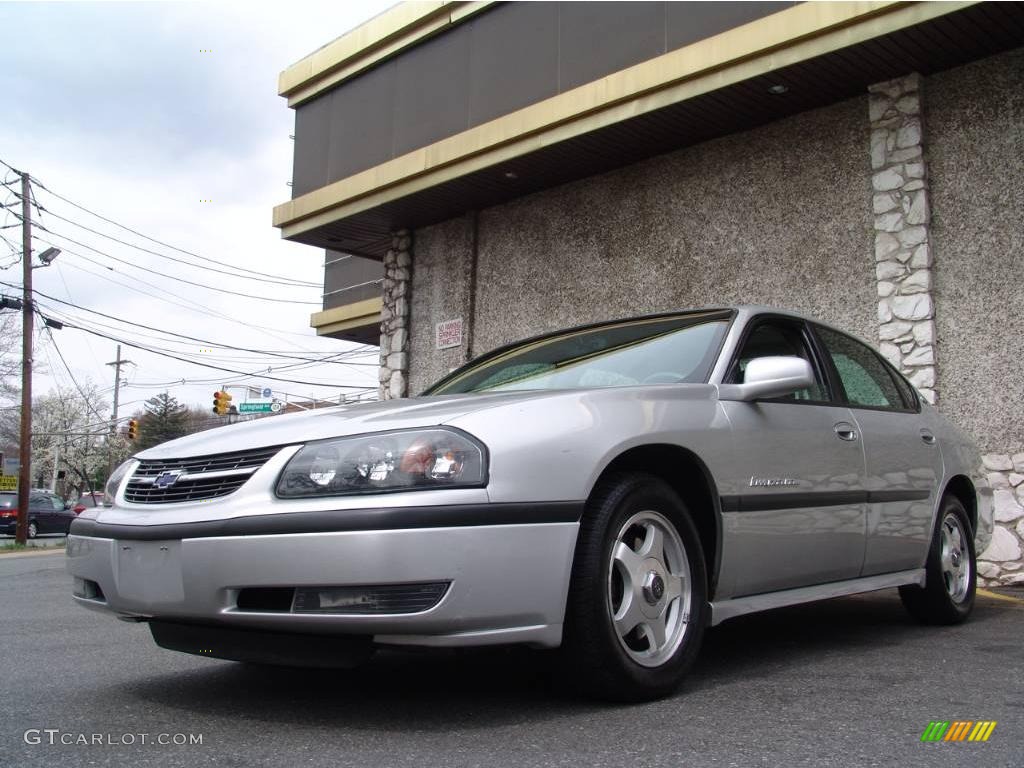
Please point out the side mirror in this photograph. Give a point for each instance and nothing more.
(768, 377)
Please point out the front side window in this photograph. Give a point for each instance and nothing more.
(662, 350)
(864, 376)
(771, 338)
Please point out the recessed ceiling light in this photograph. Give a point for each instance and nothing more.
(778, 89)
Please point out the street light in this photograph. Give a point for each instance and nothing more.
(47, 257)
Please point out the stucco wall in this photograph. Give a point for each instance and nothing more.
(778, 215)
(441, 284)
(975, 136)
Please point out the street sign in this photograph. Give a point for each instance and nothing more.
(255, 407)
(8, 483)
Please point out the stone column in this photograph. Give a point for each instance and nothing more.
(903, 257)
(394, 318)
(1001, 563)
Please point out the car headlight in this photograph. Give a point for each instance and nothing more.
(114, 482)
(409, 460)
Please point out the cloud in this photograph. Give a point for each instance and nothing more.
(118, 106)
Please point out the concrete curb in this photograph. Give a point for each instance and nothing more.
(42, 551)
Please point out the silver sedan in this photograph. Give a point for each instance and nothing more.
(611, 490)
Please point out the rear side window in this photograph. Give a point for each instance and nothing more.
(863, 374)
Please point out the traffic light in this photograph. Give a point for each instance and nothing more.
(221, 403)
(133, 429)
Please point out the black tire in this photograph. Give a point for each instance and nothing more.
(33, 529)
(951, 570)
(618, 665)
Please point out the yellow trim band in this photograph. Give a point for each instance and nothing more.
(382, 36)
(348, 316)
(784, 38)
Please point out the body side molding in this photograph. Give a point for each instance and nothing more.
(738, 606)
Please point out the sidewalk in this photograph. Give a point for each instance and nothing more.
(42, 545)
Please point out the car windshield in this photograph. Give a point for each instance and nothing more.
(659, 350)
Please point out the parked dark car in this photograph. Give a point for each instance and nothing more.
(47, 513)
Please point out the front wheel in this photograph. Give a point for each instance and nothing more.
(638, 596)
(948, 594)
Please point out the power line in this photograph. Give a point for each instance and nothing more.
(290, 283)
(56, 348)
(177, 300)
(185, 336)
(172, 277)
(151, 239)
(253, 374)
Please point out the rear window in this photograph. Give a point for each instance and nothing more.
(8, 501)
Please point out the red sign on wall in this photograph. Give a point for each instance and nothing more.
(448, 333)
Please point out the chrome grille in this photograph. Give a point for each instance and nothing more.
(197, 478)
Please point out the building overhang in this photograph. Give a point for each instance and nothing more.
(358, 322)
(819, 53)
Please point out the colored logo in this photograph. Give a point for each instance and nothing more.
(959, 730)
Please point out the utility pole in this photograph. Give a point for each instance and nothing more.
(25, 440)
(113, 421)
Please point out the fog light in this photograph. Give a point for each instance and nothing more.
(385, 598)
(86, 589)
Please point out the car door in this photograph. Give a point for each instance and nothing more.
(41, 511)
(62, 515)
(904, 463)
(796, 515)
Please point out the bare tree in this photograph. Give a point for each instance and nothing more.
(10, 358)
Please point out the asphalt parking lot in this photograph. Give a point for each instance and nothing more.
(847, 682)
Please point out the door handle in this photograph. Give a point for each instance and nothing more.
(928, 437)
(845, 430)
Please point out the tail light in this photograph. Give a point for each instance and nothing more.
(8, 513)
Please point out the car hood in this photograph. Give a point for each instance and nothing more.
(339, 421)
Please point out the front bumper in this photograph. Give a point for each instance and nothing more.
(507, 582)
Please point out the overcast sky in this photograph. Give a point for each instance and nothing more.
(118, 107)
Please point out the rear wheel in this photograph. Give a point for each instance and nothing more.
(33, 529)
(638, 597)
(948, 594)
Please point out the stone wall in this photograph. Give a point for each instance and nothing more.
(394, 318)
(975, 122)
(1002, 562)
(975, 118)
(710, 224)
